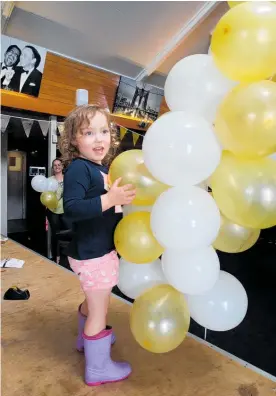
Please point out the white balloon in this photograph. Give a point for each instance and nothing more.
(181, 148)
(52, 184)
(191, 271)
(135, 279)
(39, 183)
(127, 209)
(196, 85)
(185, 218)
(223, 307)
(273, 156)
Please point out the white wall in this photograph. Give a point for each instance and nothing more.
(4, 192)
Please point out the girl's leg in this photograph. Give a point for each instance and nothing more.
(99, 368)
(82, 316)
(97, 303)
(97, 277)
(84, 308)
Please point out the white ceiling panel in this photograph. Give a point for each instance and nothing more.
(197, 42)
(123, 37)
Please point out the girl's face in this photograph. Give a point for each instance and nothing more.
(93, 140)
(57, 167)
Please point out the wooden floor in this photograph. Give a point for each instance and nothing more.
(39, 359)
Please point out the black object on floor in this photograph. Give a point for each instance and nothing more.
(14, 293)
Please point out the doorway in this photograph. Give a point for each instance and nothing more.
(27, 147)
(16, 204)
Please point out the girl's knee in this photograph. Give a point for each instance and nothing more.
(97, 300)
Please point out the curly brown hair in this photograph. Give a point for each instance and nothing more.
(72, 124)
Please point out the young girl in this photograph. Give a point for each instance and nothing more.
(86, 142)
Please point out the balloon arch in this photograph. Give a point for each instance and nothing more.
(220, 131)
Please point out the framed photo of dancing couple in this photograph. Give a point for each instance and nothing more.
(22, 66)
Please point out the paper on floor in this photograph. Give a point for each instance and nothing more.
(12, 263)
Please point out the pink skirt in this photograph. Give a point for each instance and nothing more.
(100, 273)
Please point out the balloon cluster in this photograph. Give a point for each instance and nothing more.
(220, 130)
(47, 187)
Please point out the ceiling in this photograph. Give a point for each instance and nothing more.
(136, 39)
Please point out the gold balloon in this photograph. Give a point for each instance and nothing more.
(235, 3)
(130, 166)
(243, 42)
(160, 319)
(245, 190)
(246, 120)
(134, 240)
(233, 238)
(49, 199)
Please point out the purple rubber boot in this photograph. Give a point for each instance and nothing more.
(99, 368)
(81, 323)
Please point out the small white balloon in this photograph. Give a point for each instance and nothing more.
(196, 85)
(273, 156)
(180, 149)
(135, 279)
(39, 183)
(127, 209)
(223, 307)
(52, 184)
(185, 218)
(191, 271)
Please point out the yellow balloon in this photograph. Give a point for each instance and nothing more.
(246, 120)
(134, 240)
(245, 190)
(233, 238)
(243, 42)
(130, 166)
(49, 199)
(235, 3)
(160, 319)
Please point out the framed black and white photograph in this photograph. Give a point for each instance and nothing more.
(137, 100)
(22, 66)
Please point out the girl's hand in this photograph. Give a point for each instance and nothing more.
(123, 195)
(118, 195)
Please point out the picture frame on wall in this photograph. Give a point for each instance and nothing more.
(137, 100)
(37, 170)
(22, 66)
